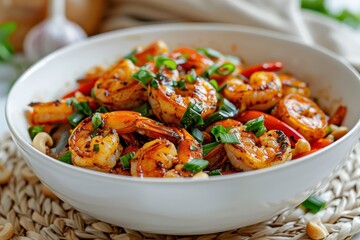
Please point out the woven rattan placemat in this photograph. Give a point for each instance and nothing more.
(35, 213)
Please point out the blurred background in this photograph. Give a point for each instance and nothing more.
(22, 26)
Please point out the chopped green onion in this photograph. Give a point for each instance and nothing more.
(35, 130)
(192, 116)
(181, 84)
(174, 84)
(215, 172)
(96, 121)
(314, 204)
(144, 75)
(149, 57)
(211, 70)
(197, 134)
(81, 107)
(193, 148)
(125, 160)
(93, 134)
(261, 131)
(66, 157)
(231, 138)
(225, 69)
(234, 60)
(102, 109)
(256, 126)
(144, 109)
(163, 60)
(192, 77)
(75, 118)
(222, 87)
(131, 56)
(196, 165)
(92, 93)
(226, 110)
(216, 130)
(214, 83)
(96, 147)
(154, 84)
(209, 52)
(208, 147)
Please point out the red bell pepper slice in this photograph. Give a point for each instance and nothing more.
(84, 88)
(315, 146)
(268, 67)
(271, 123)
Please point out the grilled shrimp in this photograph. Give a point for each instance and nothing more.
(169, 103)
(193, 60)
(271, 148)
(261, 92)
(55, 111)
(100, 149)
(142, 56)
(157, 157)
(302, 114)
(116, 88)
(292, 85)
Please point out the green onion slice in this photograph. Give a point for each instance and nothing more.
(154, 84)
(144, 109)
(231, 138)
(182, 85)
(163, 60)
(225, 69)
(216, 130)
(75, 118)
(192, 77)
(81, 107)
(196, 165)
(209, 52)
(314, 204)
(193, 148)
(192, 116)
(211, 70)
(102, 109)
(256, 126)
(215, 84)
(125, 160)
(197, 134)
(131, 56)
(66, 157)
(35, 130)
(215, 172)
(96, 121)
(226, 110)
(208, 147)
(96, 147)
(261, 131)
(144, 75)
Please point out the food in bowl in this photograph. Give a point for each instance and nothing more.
(183, 113)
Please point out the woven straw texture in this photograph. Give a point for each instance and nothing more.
(35, 213)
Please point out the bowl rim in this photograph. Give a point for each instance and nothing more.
(183, 27)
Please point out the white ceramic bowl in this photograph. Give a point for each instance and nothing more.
(186, 206)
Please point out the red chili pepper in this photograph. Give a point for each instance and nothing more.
(268, 67)
(83, 88)
(338, 117)
(320, 143)
(271, 123)
(299, 155)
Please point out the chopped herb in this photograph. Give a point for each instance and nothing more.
(209, 52)
(66, 157)
(144, 109)
(182, 85)
(231, 138)
(96, 148)
(102, 109)
(163, 60)
(182, 59)
(314, 204)
(154, 84)
(225, 69)
(192, 116)
(215, 172)
(149, 57)
(75, 118)
(92, 93)
(131, 55)
(93, 134)
(256, 126)
(226, 110)
(125, 160)
(192, 77)
(197, 134)
(208, 147)
(81, 107)
(35, 130)
(214, 83)
(211, 70)
(144, 75)
(217, 130)
(222, 87)
(96, 121)
(196, 165)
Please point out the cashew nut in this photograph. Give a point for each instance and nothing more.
(6, 231)
(315, 229)
(201, 175)
(301, 146)
(338, 132)
(5, 175)
(42, 141)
